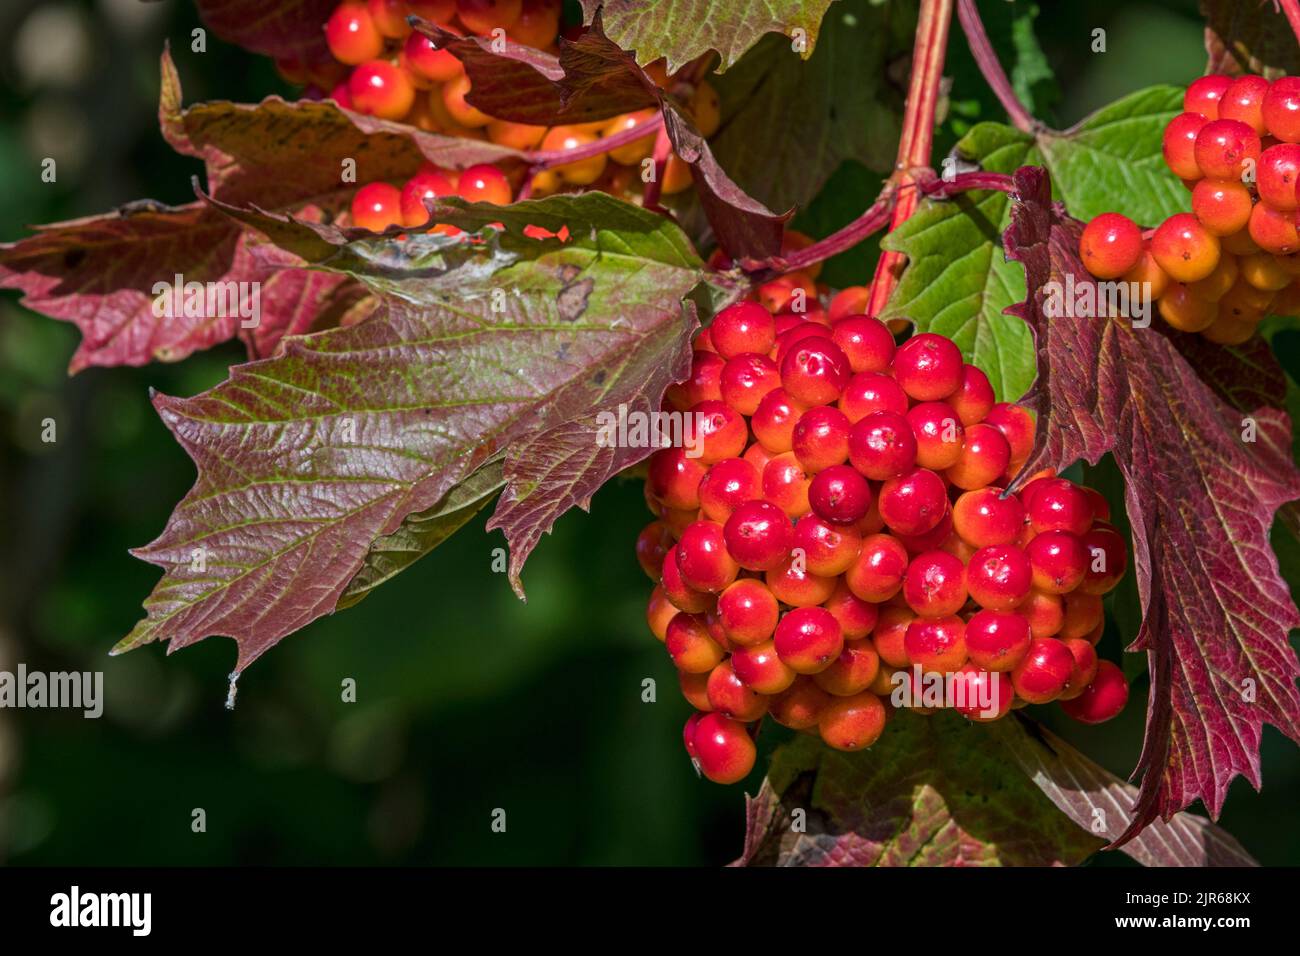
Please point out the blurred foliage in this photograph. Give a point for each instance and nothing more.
(467, 700)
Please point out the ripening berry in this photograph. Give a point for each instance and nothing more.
(984, 517)
(631, 153)
(1059, 505)
(728, 695)
(351, 34)
(983, 695)
(985, 456)
(1016, 425)
(538, 24)
(852, 672)
(1179, 145)
(706, 109)
(808, 639)
(760, 667)
(1244, 101)
(659, 612)
(877, 574)
(932, 540)
(1278, 174)
(890, 635)
(936, 644)
(679, 593)
(1264, 272)
(703, 559)
(1214, 286)
(793, 583)
(1204, 93)
(1085, 667)
(997, 640)
(839, 493)
(381, 89)
(743, 327)
(690, 644)
(791, 330)
(935, 584)
(485, 183)
(869, 392)
(582, 172)
(867, 342)
(676, 176)
(828, 548)
(1110, 245)
(1239, 243)
(1244, 303)
(795, 292)
(427, 64)
(974, 397)
(800, 706)
(674, 478)
(1224, 148)
(726, 486)
(389, 17)
(857, 617)
(1274, 230)
(759, 535)
(913, 503)
(426, 185)
(376, 206)
(928, 367)
(704, 383)
(786, 483)
(1044, 671)
(815, 371)
(999, 577)
(484, 16)
(720, 432)
(1101, 700)
(1148, 274)
(1107, 559)
(774, 421)
(1184, 248)
(1281, 109)
(1228, 331)
(1184, 311)
(821, 439)
(883, 446)
(939, 434)
(745, 379)
(748, 612)
(1059, 560)
(1223, 208)
(651, 545)
(724, 751)
(851, 300)
(852, 723)
(1044, 613)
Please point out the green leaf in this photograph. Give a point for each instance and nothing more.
(958, 283)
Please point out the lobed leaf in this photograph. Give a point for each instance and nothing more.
(279, 28)
(1200, 495)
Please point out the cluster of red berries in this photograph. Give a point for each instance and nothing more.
(376, 206)
(1235, 258)
(839, 529)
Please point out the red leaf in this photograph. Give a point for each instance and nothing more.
(1201, 501)
(279, 28)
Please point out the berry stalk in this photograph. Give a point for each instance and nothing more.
(917, 137)
(994, 75)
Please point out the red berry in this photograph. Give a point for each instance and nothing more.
(1223, 148)
(1107, 558)
(730, 696)
(852, 672)
(1101, 700)
(982, 695)
(1110, 245)
(651, 545)
(877, 574)
(849, 301)
(890, 635)
(377, 206)
(1281, 109)
(1244, 101)
(785, 484)
(679, 593)
(1059, 505)
(1085, 667)
(794, 583)
(727, 485)
(743, 327)
(1016, 425)
(484, 183)
(936, 643)
(928, 367)
(997, 640)
(821, 438)
(759, 535)
(674, 478)
(1044, 671)
(745, 379)
(428, 64)
(985, 456)
(1059, 561)
(828, 548)
(935, 584)
(1278, 174)
(688, 732)
(390, 17)
(690, 644)
(720, 432)
(808, 639)
(938, 434)
(484, 16)
(932, 540)
(704, 383)
(1044, 613)
(815, 371)
(974, 398)
(883, 446)
(381, 89)
(866, 342)
(748, 612)
(1223, 208)
(857, 617)
(351, 34)
(999, 577)
(871, 392)
(427, 184)
(1203, 95)
(659, 611)
(1274, 230)
(1184, 248)
(761, 668)
(775, 419)
(724, 750)
(913, 503)
(703, 559)
(800, 706)
(984, 517)
(1179, 145)
(840, 494)
(852, 723)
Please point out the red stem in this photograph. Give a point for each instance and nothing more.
(917, 137)
(987, 60)
(663, 146)
(550, 158)
(1292, 10)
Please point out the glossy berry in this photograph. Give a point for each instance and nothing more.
(759, 535)
(748, 612)
(1224, 148)
(719, 432)
(857, 617)
(659, 611)
(651, 545)
(801, 705)
(985, 517)
(815, 371)
(1263, 271)
(808, 639)
(852, 672)
(1204, 93)
(786, 483)
(1184, 311)
(1044, 671)
(729, 696)
(936, 643)
(760, 667)
(746, 379)
(794, 583)
(877, 574)
(1101, 700)
(974, 397)
(581, 172)
(852, 723)
(871, 392)
(1085, 667)
(1281, 109)
(829, 548)
(484, 16)
(1059, 561)
(703, 384)
(703, 559)
(985, 456)
(928, 367)
(820, 439)
(1107, 559)
(425, 186)
(381, 89)
(997, 640)
(726, 486)
(1244, 101)
(1278, 174)
(982, 695)
(690, 644)
(1060, 505)
(377, 206)
(1179, 145)
(1274, 230)
(678, 592)
(1185, 249)
(1110, 245)
(890, 635)
(674, 478)
(724, 751)
(743, 327)
(866, 342)
(939, 434)
(999, 577)
(883, 446)
(1016, 425)
(913, 503)
(351, 34)
(935, 584)
(484, 183)
(774, 420)
(1223, 208)
(840, 493)
(427, 64)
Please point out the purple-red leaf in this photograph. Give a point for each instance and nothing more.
(279, 28)
(1203, 480)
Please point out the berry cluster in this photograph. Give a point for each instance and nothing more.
(1235, 258)
(840, 522)
(376, 206)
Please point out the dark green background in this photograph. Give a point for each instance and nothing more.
(468, 700)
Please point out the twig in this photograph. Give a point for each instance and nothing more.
(987, 60)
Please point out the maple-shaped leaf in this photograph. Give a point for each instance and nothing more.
(105, 273)
(279, 28)
(1103, 804)
(932, 791)
(1200, 492)
(1249, 36)
(681, 30)
(309, 464)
